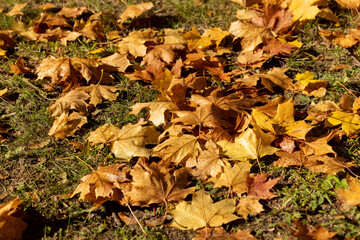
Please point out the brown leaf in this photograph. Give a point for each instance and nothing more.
(249, 205)
(49, 21)
(219, 233)
(73, 100)
(70, 71)
(102, 185)
(19, 67)
(304, 233)
(258, 186)
(163, 52)
(178, 149)
(99, 92)
(157, 111)
(234, 177)
(73, 12)
(349, 3)
(154, 183)
(120, 61)
(11, 225)
(207, 163)
(135, 11)
(66, 125)
(135, 43)
(16, 10)
(202, 212)
(128, 141)
(276, 78)
(351, 196)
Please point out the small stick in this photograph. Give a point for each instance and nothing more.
(124, 2)
(347, 89)
(137, 220)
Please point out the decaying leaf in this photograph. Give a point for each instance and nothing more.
(220, 233)
(11, 224)
(67, 124)
(249, 205)
(203, 212)
(319, 232)
(16, 10)
(157, 111)
(99, 92)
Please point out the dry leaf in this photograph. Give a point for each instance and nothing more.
(73, 100)
(203, 212)
(16, 10)
(154, 183)
(304, 9)
(120, 61)
(128, 141)
(66, 125)
(11, 225)
(135, 11)
(350, 122)
(234, 177)
(19, 67)
(99, 92)
(350, 196)
(102, 185)
(219, 233)
(249, 205)
(349, 3)
(318, 233)
(259, 187)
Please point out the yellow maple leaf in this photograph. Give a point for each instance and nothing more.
(350, 122)
(202, 212)
(304, 9)
(350, 196)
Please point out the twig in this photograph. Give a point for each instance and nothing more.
(347, 89)
(124, 2)
(137, 220)
(351, 172)
(140, 94)
(86, 164)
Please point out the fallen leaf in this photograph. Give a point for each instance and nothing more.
(252, 144)
(19, 67)
(11, 224)
(203, 212)
(157, 111)
(154, 183)
(350, 122)
(234, 177)
(73, 100)
(135, 43)
(102, 185)
(135, 11)
(259, 187)
(99, 92)
(73, 12)
(318, 233)
(120, 61)
(351, 196)
(16, 10)
(178, 149)
(304, 9)
(219, 233)
(249, 205)
(128, 141)
(349, 3)
(66, 125)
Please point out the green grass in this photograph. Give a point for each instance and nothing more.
(42, 176)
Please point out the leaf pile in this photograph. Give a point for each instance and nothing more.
(211, 122)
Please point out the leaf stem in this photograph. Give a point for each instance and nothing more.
(137, 220)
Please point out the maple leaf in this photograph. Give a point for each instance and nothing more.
(276, 77)
(178, 149)
(203, 212)
(49, 21)
(73, 12)
(249, 205)
(157, 111)
(207, 163)
(16, 10)
(135, 43)
(350, 122)
(234, 177)
(309, 86)
(128, 141)
(11, 225)
(154, 183)
(7, 42)
(259, 187)
(251, 144)
(120, 61)
(73, 100)
(70, 71)
(351, 196)
(98, 92)
(219, 233)
(102, 185)
(135, 11)
(163, 52)
(66, 125)
(304, 9)
(251, 35)
(319, 232)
